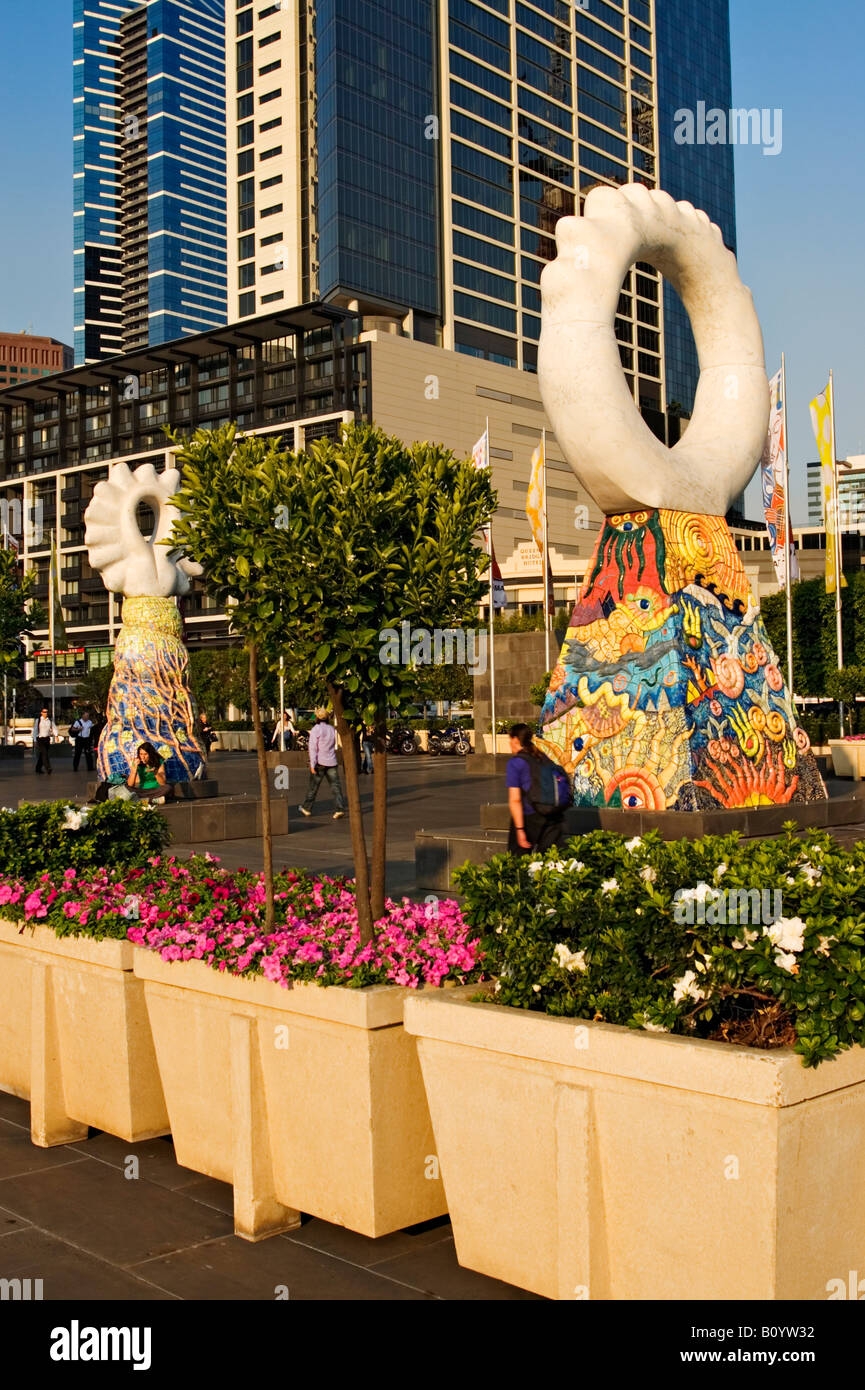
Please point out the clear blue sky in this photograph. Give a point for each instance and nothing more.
(801, 214)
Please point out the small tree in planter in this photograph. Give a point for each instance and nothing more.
(319, 556)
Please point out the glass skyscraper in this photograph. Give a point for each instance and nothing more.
(693, 66)
(412, 159)
(149, 172)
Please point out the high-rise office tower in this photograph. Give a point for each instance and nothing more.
(413, 158)
(149, 172)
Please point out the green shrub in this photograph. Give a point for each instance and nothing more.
(40, 837)
(597, 929)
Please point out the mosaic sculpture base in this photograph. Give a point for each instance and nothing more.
(668, 695)
(149, 700)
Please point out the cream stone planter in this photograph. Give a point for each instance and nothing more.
(309, 1099)
(74, 1037)
(848, 757)
(582, 1160)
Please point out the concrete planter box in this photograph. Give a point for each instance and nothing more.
(848, 757)
(74, 1037)
(582, 1160)
(234, 740)
(309, 1099)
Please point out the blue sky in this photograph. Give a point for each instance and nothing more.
(801, 214)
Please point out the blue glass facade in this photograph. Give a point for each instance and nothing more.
(182, 225)
(693, 66)
(97, 260)
(378, 211)
(186, 168)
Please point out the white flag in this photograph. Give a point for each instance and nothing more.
(481, 451)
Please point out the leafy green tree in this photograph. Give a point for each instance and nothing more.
(449, 682)
(815, 654)
(19, 612)
(322, 554)
(92, 689)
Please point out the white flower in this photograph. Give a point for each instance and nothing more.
(575, 866)
(536, 989)
(720, 872)
(648, 874)
(811, 874)
(567, 959)
(498, 931)
(610, 885)
(687, 988)
(536, 866)
(631, 845)
(654, 1027)
(789, 880)
(787, 934)
(638, 911)
(825, 943)
(785, 960)
(701, 894)
(749, 938)
(73, 820)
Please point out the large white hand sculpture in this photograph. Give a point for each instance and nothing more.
(129, 562)
(596, 422)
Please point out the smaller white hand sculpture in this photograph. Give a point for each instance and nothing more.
(129, 562)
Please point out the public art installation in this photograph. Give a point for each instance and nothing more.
(149, 700)
(667, 694)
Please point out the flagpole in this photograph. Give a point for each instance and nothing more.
(545, 559)
(838, 569)
(492, 607)
(787, 531)
(51, 631)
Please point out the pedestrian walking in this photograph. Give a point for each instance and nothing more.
(208, 733)
(44, 730)
(323, 765)
(81, 730)
(539, 792)
(366, 748)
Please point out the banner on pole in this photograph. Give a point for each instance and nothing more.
(773, 478)
(821, 420)
(58, 625)
(481, 451)
(500, 598)
(536, 502)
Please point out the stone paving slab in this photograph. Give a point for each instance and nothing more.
(71, 1217)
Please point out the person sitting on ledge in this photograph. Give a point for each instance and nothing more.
(146, 780)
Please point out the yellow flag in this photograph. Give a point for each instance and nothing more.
(535, 497)
(821, 420)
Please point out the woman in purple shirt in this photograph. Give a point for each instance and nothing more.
(530, 829)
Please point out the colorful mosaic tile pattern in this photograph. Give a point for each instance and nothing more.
(149, 700)
(668, 695)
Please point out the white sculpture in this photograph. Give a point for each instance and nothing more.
(129, 562)
(596, 422)
(149, 700)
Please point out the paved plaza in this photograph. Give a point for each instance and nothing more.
(423, 794)
(107, 1219)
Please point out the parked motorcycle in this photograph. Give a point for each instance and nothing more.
(401, 739)
(449, 741)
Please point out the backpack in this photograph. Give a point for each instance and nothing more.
(550, 788)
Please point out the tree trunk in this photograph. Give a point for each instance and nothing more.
(264, 783)
(355, 818)
(379, 820)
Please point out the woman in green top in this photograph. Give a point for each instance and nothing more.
(147, 772)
